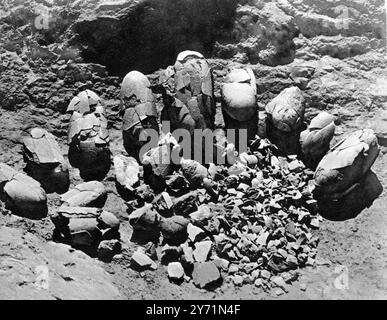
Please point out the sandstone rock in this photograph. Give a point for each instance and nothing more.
(337, 46)
(144, 193)
(139, 112)
(45, 162)
(107, 249)
(347, 162)
(141, 261)
(222, 264)
(170, 254)
(49, 270)
(193, 171)
(264, 33)
(203, 214)
(84, 233)
(187, 256)
(177, 184)
(185, 204)
(108, 220)
(206, 275)
(279, 282)
(87, 194)
(265, 274)
(144, 219)
(23, 195)
(175, 271)
(258, 283)
(316, 139)
(88, 136)
(238, 280)
(127, 171)
(163, 204)
(174, 229)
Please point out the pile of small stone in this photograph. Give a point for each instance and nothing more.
(251, 222)
(81, 223)
(91, 230)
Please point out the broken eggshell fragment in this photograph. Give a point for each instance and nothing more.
(23, 195)
(87, 194)
(316, 139)
(189, 103)
(88, 136)
(285, 118)
(45, 162)
(159, 162)
(347, 162)
(145, 219)
(127, 171)
(239, 103)
(139, 112)
(349, 204)
(193, 171)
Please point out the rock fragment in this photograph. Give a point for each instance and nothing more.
(174, 229)
(206, 275)
(194, 172)
(163, 204)
(141, 261)
(175, 271)
(195, 233)
(107, 249)
(170, 254)
(202, 251)
(185, 204)
(45, 162)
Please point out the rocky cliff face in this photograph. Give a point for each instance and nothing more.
(334, 51)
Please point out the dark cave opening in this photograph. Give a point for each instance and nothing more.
(150, 36)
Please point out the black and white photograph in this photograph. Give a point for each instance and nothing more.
(193, 150)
